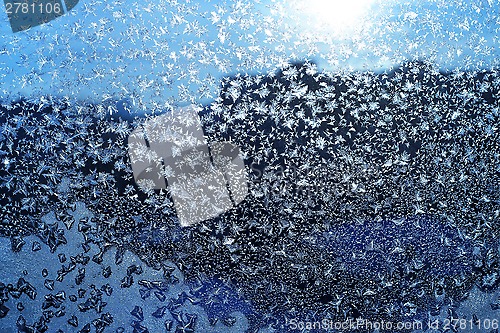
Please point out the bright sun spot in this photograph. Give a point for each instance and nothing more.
(336, 16)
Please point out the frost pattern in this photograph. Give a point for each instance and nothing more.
(365, 191)
(372, 150)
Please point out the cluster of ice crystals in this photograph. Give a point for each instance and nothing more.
(374, 181)
(158, 54)
(366, 190)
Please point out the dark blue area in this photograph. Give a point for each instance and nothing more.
(425, 242)
(219, 299)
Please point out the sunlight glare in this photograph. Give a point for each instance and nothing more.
(337, 16)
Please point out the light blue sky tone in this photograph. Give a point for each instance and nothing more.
(160, 54)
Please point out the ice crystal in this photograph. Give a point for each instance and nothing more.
(369, 133)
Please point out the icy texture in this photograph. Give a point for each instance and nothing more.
(373, 196)
(158, 54)
(370, 131)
